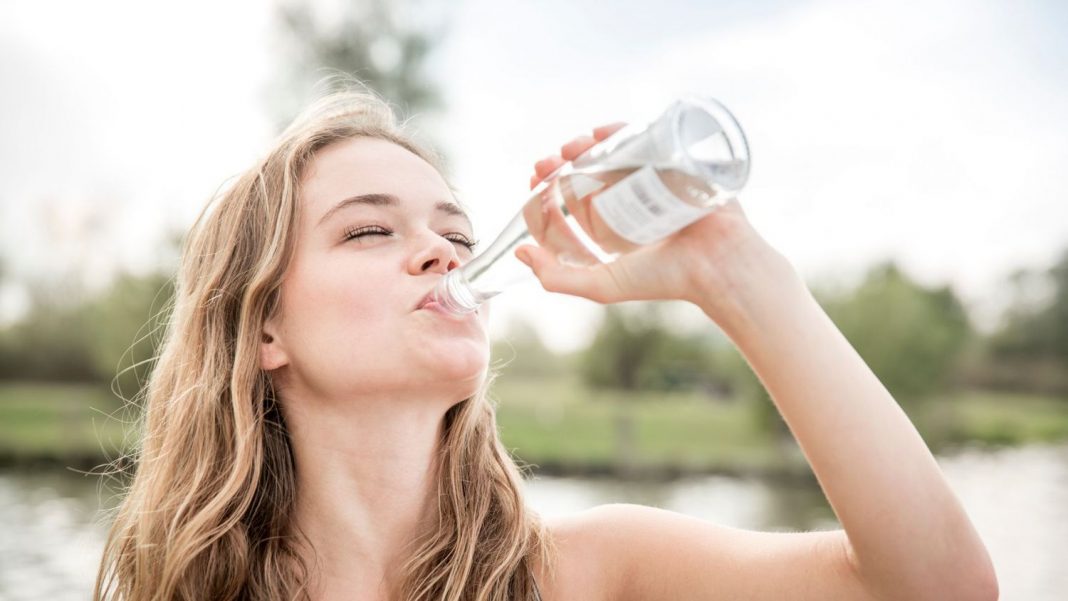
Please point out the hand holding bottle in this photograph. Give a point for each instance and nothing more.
(713, 262)
(636, 212)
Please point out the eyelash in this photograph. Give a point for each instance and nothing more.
(369, 230)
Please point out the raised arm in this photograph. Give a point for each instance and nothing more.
(905, 535)
(908, 537)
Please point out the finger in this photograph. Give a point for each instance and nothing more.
(575, 147)
(595, 282)
(604, 131)
(547, 165)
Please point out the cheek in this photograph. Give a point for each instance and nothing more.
(329, 305)
(356, 308)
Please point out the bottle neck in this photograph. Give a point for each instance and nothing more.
(454, 293)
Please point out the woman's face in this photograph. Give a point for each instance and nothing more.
(348, 324)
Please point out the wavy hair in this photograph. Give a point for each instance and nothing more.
(207, 513)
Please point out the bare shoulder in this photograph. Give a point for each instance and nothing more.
(620, 552)
(583, 570)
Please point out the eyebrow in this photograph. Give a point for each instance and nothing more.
(378, 199)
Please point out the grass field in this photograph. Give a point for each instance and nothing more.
(559, 425)
(40, 421)
(1000, 418)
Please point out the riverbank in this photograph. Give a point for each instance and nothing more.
(55, 522)
(559, 429)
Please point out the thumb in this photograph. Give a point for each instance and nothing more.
(593, 282)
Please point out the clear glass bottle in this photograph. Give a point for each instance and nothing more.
(641, 184)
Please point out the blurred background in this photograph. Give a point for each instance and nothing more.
(908, 159)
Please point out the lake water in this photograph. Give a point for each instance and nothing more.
(51, 530)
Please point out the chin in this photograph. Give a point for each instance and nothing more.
(463, 366)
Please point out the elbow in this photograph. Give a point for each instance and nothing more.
(987, 587)
(980, 584)
(984, 579)
(974, 576)
(980, 590)
(960, 583)
(979, 587)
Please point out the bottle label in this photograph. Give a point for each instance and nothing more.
(642, 209)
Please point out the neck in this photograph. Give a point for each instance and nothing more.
(366, 476)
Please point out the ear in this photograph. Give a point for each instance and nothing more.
(272, 351)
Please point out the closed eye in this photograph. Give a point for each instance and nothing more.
(374, 230)
(361, 232)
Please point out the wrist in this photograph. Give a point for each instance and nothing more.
(755, 283)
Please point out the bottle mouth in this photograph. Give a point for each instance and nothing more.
(712, 141)
(454, 294)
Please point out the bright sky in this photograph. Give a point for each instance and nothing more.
(931, 132)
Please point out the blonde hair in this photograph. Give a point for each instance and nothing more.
(207, 513)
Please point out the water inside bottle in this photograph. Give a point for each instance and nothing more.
(597, 238)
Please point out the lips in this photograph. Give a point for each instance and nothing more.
(426, 299)
(428, 303)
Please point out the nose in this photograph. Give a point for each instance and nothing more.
(438, 255)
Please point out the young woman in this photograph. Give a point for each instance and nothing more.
(312, 432)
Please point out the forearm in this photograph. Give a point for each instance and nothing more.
(907, 531)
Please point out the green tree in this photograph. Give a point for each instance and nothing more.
(635, 349)
(686, 362)
(383, 43)
(522, 353)
(92, 340)
(69, 335)
(912, 337)
(126, 327)
(52, 342)
(626, 341)
(1041, 330)
(1029, 350)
